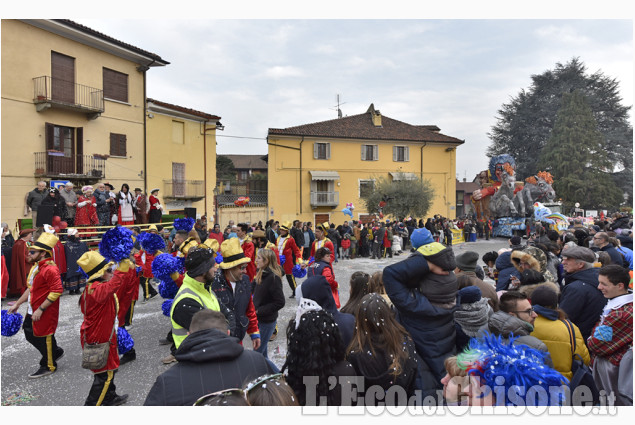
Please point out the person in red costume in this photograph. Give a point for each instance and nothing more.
(259, 239)
(322, 266)
(248, 248)
(86, 213)
(43, 292)
(155, 207)
(144, 260)
(100, 307)
(5, 278)
(321, 241)
(292, 255)
(20, 265)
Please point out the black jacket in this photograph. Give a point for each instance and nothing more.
(268, 297)
(616, 256)
(236, 301)
(298, 236)
(582, 300)
(208, 361)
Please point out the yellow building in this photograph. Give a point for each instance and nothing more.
(73, 108)
(316, 169)
(182, 157)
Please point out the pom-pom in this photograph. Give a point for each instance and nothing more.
(219, 258)
(116, 244)
(298, 271)
(124, 341)
(11, 323)
(139, 269)
(163, 266)
(82, 273)
(282, 259)
(181, 265)
(166, 307)
(168, 289)
(152, 243)
(311, 260)
(184, 223)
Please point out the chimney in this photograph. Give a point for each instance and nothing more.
(464, 179)
(375, 115)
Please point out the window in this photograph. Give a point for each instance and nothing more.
(321, 150)
(366, 187)
(400, 154)
(117, 144)
(177, 132)
(370, 152)
(243, 175)
(178, 179)
(115, 85)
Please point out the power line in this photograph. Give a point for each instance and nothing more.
(241, 137)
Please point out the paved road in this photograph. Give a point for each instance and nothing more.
(70, 384)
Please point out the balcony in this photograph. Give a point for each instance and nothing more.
(256, 199)
(325, 199)
(184, 189)
(57, 164)
(51, 92)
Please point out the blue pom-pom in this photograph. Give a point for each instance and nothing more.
(139, 269)
(166, 307)
(168, 289)
(152, 242)
(184, 224)
(124, 341)
(82, 273)
(219, 258)
(311, 259)
(282, 259)
(164, 265)
(11, 323)
(116, 244)
(181, 264)
(298, 271)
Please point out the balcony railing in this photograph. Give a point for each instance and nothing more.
(49, 92)
(254, 199)
(184, 189)
(57, 164)
(325, 199)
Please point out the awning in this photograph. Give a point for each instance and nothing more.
(403, 176)
(324, 175)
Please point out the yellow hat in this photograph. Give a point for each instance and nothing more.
(286, 225)
(324, 226)
(233, 254)
(153, 228)
(212, 244)
(46, 242)
(189, 244)
(93, 264)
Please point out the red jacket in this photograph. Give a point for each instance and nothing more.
(289, 248)
(146, 265)
(346, 243)
(128, 291)
(324, 243)
(249, 250)
(218, 236)
(47, 284)
(99, 305)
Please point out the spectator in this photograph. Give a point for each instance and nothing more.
(155, 207)
(297, 234)
(34, 199)
(376, 285)
(322, 267)
(505, 270)
(530, 280)
(466, 265)
(125, 201)
(56, 203)
(103, 201)
(86, 214)
(268, 297)
(358, 289)
(489, 258)
(626, 252)
(612, 336)
(70, 198)
(73, 250)
(309, 237)
(602, 243)
(209, 360)
(346, 246)
(141, 206)
(471, 316)
(270, 390)
(20, 265)
(534, 258)
(215, 233)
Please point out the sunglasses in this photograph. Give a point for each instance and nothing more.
(238, 391)
(528, 311)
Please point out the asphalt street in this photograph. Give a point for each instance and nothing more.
(69, 385)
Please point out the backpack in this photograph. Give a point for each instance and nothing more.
(582, 375)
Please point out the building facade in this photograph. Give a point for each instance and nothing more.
(73, 108)
(181, 144)
(316, 169)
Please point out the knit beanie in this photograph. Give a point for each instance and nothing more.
(467, 261)
(420, 237)
(468, 295)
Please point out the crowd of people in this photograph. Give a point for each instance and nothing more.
(430, 326)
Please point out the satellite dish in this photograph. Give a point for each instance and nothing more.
(577, 205)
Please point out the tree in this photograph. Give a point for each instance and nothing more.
(525, 123)
(225, 169)
(574, 155)
(403, 198)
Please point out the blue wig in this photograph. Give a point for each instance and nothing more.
(116, 244)
(500, 159)
(184, 223)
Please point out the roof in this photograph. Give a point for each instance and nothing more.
(361, 127)
(252, 162)
(184, 110)
(467, 187)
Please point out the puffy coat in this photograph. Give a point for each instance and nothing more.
(554, 334)
(582, 300)
(439, 289)
(431, 327)
(505, 270)
(268, 297)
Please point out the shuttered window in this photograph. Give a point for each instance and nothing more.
(115, 85)
(117, 144)
(322, 150)
(370, 152)
(400, 154)
(366, 188)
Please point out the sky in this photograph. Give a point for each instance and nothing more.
(453, 72)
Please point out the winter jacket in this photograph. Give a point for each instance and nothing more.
(487, 289)
(325, 269)
(73, 249)
(505, 271)
(506, 325)
(208, 361)
(536, 258)
(582, 300)
(616, 256)
(35, 198)
(620, 223)
(628, 256)
(439, 289)
(431, 327)
(268, 297)
(318, 289)
(554, 333)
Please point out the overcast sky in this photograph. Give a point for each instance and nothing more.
(276, 73)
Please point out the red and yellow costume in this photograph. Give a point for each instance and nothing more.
(248, 248)
(128, 292)
(45, 282)
(86, 215)
(324, 243)
(287, 247)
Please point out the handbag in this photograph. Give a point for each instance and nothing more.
(95, 356)
(582, 375)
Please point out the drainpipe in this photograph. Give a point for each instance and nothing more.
(424, 145)
(301, 174)
(144, 69)
(205, 166)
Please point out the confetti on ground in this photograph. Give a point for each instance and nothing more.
(18, 398)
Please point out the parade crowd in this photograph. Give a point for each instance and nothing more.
(551, 313)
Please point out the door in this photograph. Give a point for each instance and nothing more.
(62, 78)
(62, 140)
(178, 179)
(319, 219)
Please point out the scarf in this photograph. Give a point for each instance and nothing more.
(473, 317)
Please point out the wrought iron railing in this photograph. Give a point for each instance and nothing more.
(184, 189)
(228, 199)
(56, 164)
(55, 91)
(325, 199)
